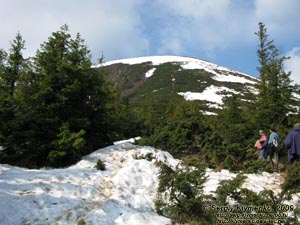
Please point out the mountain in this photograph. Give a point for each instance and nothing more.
(167, 77)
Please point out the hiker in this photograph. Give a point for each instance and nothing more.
(274, 140)
(261, 144)
(292, 144)
(272, 149)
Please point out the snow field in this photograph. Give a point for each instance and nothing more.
(123, 194)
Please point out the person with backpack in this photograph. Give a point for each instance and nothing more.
(274, 140)
(273, 148)
(292, 144)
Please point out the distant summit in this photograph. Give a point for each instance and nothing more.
(164, 77)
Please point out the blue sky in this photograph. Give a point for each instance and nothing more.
(219, 31)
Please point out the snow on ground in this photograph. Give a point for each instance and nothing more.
(232, 78)
(221, 73)
(263, 181)
(131, 140)
(211, 94)
(123, 194)
(214, 179)
(214, 105)
(208, 113)
(150, 73)
(253, 182)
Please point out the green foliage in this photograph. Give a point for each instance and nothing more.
(257, 166)
(57, 156)
(180, 133)
(68, 145)
(275, 89)
(55, 107)
(292, 179)
(149, 156)
(232, 189)
(184, 190)
(81, 222)
(100, 165)
(229, 188)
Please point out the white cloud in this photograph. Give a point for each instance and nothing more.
(111, 26)
(214, 9)
(293, 64)
(132, 28)
(280, 16)
(205, 24)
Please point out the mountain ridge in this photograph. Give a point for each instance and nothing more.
(159, 59)
(167, 77)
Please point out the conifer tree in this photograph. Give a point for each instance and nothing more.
(62, 107)
(12, 68)
(275, 89)
(72, 96)
(15, 62)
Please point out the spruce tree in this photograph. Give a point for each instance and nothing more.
(62, 108)
(12, 68)
(275, 89)
(73, 97)
(15, 62)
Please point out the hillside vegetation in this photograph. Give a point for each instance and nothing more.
(56, 107)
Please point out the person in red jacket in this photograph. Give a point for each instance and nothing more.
(292, 144)
(262, 144)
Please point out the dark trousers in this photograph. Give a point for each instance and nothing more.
(293, 158)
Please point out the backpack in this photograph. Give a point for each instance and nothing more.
(275, 143)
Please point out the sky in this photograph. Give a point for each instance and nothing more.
(219, 31)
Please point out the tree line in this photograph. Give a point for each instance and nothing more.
(226, 140)
(54, 108)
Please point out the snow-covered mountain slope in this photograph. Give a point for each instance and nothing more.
(186, 63)
(221, 73)
(192, 78)
(122, 194)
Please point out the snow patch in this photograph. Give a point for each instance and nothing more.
(211, 94)
(214, 105)
(208, 113)
(232, 78)
(253, 182)
(131, 140)
(214, 179)
(263, 181)
(150, 73)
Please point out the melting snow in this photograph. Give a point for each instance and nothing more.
(123, 194)
(150, 72)
(214, 179)
(232, 78)
(211, 94)
(221, 73)
(208, 113)
(253, 182)
(264, 181)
